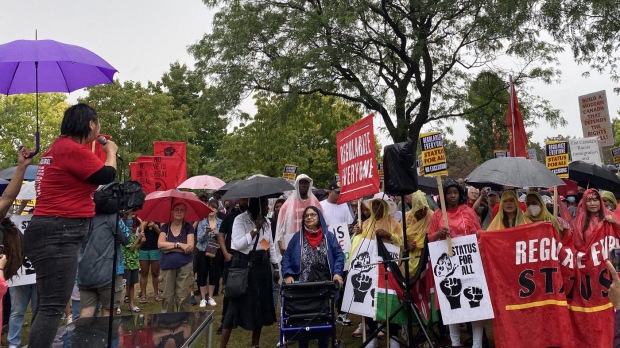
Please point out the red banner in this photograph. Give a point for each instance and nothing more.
(357, 161)
(174, 149)
(142, 172)
(546, 292)
(163, 170)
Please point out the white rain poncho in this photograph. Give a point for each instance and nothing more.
(290, 217)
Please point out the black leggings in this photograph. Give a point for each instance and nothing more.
(204, 269)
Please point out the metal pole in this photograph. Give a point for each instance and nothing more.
(512, 115)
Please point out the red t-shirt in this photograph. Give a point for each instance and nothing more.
(62, 189)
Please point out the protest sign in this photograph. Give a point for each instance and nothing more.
(164, 171)
(585, 149)
(433, 155)
(420, 166)
(142, 172)
(25, 274)
(341, 231)
(337, 178)
(615, 153)
(290, 171)
(556, 158)
(594, 113)
(464, 295)
(174, 149)
(359, 293)
(357, 161)
(381, 174)
(533, 155)
(549, 288)
(500, 153)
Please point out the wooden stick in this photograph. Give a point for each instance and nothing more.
(442, 200)
(359, 213)
(363, 329)
(555, 201)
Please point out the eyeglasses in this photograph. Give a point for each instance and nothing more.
(311, 215)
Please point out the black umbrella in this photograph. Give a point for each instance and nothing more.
(513, 171)
(258, 186)
(428, 185)
(593, 175)
(222, 190)
(30, 175)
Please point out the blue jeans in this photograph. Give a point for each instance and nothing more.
(20, 297)
(51, 244)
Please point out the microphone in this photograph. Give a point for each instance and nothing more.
(102, 140)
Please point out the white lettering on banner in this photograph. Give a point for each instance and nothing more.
(356, 172)
(341, 232)
(356, 147)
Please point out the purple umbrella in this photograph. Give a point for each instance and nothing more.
(33, 66)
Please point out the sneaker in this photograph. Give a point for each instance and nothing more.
(343, 319)
(192, 301)
(359, 332)
(203, 303)
(212, 302)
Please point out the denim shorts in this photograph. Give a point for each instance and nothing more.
(149, 255)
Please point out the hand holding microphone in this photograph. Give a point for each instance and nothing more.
(109, 147)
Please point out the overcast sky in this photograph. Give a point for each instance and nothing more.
(141, 38)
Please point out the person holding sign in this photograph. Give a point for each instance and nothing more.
(313, 255)
(509, 215)
(252, 242)
(418, 220)
(462, 221)
(383, 225)
(590, 211)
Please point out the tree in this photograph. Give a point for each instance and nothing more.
(408, 60)
(460, 160)
(18, 125)
(487, 122)
(136, 116)
(189, 95)
(301, 132)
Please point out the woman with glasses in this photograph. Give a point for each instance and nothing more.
(313, 255)
(176, 241)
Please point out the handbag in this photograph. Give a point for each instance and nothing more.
(237, 280)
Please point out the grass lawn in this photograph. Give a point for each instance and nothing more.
(240, 338)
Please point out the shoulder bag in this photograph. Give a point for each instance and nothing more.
(237, 281)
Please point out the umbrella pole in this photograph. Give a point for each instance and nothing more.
(442, 199)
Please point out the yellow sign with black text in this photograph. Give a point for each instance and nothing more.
(556, 158)
(433, 155)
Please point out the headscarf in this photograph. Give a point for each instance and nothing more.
(610, 197)
(290, 217)
(584, 222)
(498, 221)
(462, 221)
(544, 214)
(417, 229)
(372, 224)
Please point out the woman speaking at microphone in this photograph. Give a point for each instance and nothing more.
(68, 174)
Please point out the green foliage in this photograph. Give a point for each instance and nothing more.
(298, 130)
(136, 116)
(18, 125)
(461, 161)
(409, 61)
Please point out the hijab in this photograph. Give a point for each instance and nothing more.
(584, 222)
(499, 221)
(417, 229)
(544, 214)
(372, 224)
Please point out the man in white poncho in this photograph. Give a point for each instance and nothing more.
(289, 219)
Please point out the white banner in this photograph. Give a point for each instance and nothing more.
(341, 232)
(359, 292)
(594, 113)
(585, 149)
(25, 274)
(462, 287)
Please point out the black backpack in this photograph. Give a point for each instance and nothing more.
(117, 196)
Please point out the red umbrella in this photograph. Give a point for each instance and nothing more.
(158, 206)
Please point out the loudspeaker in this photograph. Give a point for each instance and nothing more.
(399, 166)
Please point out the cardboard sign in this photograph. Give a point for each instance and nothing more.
(615, 153)
(556, 158)
(164, 171)
(359, 292)
(585, 149)
(420, 166)
(532, 154)
(176, 150)
(501, 153)
(357, 161)
(25, 274)
(463, 293)
(594, 113)
(433, 155)
(341, 232)
(337, 178)
(290, 171)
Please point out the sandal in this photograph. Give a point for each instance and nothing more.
(126, 299)
(135, 309)
(143, 300)
(158, 298)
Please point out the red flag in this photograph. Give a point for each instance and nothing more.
(514, 121)
(173, 149)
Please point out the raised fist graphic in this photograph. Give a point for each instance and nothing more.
(474, 295)
(451, 287)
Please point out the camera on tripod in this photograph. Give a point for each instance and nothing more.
(117, 196)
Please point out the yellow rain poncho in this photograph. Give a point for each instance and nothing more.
(417, 229)
(544, 214)
(501, 220)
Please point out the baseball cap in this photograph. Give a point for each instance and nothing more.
(492, 192)
(334, 186)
